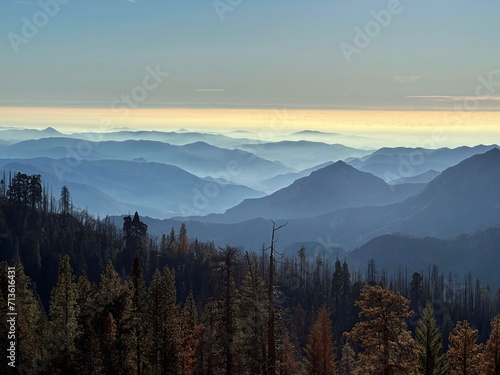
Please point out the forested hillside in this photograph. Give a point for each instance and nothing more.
(92, 298)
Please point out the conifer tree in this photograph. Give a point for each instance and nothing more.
(88, 348)
(430, 344)
(227, 260)
(213, 339)
(109, 340)
(287, 362)
(137, 290)
(491, 359)
(320, 349)
(183, 241)
(163, 323)
(136, 244)
(114, 302)
(386, 345)
(31, 324)
(190, 342)
(464, 354)
(347, 362)
(65, 201)
(253, 319)
(341, 293)
(64, 328)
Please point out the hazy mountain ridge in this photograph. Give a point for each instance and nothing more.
(404, 162)
(283, 180)
(477, 253)
(198, 158)
(14, 135)
(447, 207)
(109, 187)
(303, 154)
(424, 178)
(328, 189)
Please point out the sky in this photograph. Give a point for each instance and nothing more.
(322, 54)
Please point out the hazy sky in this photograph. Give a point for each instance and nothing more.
(430, 54)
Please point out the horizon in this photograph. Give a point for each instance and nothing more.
(381, 128)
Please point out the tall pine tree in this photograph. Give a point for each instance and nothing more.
(387, 345)
(320, 349)
(491, 362)
(64, 328)
(430, 342)
(464, 354)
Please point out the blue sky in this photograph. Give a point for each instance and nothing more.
(262, 53)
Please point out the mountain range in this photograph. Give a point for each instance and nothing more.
(328, 189)
(478, 253)
(403, 162)
(111, 187)
(197, 158)
(399, 206)
(303, 154)
(462, 199)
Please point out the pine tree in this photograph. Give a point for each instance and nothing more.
(348, 360)
(430, 344)
(137, 290)
(227, 260)
(108, 345)
(163, 323)
(253, 320)
(64, 328)
(190, 342)
(65, 201)
(213, 339)
(320, 349)
(387, 345)
(464, 354)
(114, 302)
(491, 360)
(136, 244)
(341, 292)
(88, 349)
(416, 292)
(183, 241)
(287, 362)
(31, 324)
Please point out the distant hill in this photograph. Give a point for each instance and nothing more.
(9, 134)
(283, 180)
(302, 154)
(478, 253)
(361, 142)
(424, 178)
(110, 187)
(403, 162)
(198, 158)
(179, 137)
(462, 199)
(328, 189)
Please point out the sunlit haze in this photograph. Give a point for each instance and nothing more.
(432, 129)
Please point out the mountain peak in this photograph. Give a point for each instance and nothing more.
(51, 130)
(493, 152)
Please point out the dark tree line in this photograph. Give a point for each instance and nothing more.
(125, 303)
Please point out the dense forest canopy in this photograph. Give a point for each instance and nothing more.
(92, 298)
